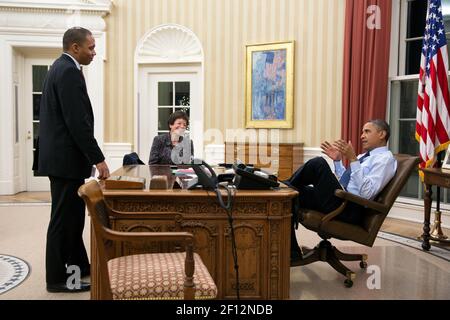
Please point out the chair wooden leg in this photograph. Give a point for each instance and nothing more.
(305, 250)
(324, 251)
(347, 256)
(319, 253)
(310, 257)
(341, 268)
(337, 265)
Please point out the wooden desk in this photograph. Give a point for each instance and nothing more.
(437, 177)
(262, 221)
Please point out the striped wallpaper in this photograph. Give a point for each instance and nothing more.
(224, 27)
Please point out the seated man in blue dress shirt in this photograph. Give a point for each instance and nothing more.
(366, 175)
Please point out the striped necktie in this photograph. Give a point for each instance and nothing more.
(345, 178)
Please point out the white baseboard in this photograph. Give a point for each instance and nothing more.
(7, 187)
(114, 153)
(310, 153)
(415, 213)
(215, 153)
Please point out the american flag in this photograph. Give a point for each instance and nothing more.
(433, 103)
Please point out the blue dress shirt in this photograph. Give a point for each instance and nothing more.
(368, 178)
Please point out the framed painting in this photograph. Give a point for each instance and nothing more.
(269, 85)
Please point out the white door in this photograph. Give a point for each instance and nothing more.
(163, 92)
(35, 72)
(18, 138)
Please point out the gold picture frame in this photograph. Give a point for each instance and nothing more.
(269, 85)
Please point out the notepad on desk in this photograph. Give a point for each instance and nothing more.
(124, 182)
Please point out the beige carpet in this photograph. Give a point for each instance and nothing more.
(23, 232)
(405, 273)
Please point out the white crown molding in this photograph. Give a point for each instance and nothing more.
(29, 22)
(27, 31)
(34, 17)
(26, 24)
(93, 6)
(170, 43)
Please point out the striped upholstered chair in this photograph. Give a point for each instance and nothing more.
(150, 276)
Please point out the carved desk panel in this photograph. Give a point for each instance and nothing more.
(262, 222)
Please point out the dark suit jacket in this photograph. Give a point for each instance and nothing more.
(67, 147)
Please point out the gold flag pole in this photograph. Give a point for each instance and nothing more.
(436, 233)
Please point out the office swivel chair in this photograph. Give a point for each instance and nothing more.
(131, 159)
(151, 276)
(374, 214)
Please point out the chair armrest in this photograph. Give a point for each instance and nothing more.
(361, 201)
(147, 236)
(126, 215)
(333, 214)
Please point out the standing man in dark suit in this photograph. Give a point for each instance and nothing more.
(67, 153)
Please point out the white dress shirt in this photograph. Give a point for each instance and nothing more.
(368, 178)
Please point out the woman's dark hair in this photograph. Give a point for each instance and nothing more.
(178, 115)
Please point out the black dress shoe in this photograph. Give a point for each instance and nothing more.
(85, 269)
(62, 287)
(85, 272)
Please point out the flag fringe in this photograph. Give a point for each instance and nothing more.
(431, 162)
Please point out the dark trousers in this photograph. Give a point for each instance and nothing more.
(316, 184)
(65, 245)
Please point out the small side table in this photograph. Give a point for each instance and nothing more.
(437, 177)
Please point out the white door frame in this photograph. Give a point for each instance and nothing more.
(33, 24)
(95, 82)
(18, 143)
(168, 47)
(148, 108)
(32, 183)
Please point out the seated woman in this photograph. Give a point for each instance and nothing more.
(164, 145)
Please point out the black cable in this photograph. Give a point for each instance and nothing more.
(229, 209)
(233, 242)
